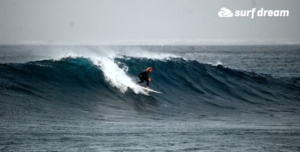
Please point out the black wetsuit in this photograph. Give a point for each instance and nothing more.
(144, 77)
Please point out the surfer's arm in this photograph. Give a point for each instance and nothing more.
(143, 74)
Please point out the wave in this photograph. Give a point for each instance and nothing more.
(185, 84)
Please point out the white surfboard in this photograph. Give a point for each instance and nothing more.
(150, 90)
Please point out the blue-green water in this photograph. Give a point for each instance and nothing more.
(215, 98)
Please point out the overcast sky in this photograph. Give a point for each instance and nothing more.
(145, 22)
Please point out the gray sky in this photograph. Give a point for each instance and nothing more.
(145, 22)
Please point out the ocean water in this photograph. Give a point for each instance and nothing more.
(214, 98)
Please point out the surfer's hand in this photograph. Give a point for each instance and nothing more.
(149, 79)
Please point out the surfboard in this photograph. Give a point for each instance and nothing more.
(150, 90)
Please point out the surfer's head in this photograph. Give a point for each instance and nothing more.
(149, 69)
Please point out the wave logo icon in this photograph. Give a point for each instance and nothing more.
(224, 12)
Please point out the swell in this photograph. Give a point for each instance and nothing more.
(185, 85)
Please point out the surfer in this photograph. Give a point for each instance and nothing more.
(144, 76)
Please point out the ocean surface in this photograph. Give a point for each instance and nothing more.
(214, 98)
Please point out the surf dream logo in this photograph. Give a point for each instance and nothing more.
(225, 12)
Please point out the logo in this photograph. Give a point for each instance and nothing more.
(224, 12)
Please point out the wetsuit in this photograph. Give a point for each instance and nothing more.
(144, 77)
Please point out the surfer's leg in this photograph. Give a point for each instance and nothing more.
(141, 81)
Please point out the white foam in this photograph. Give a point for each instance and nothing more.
(217, 63)
(116, 76)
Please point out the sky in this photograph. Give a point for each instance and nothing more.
(154, 22)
